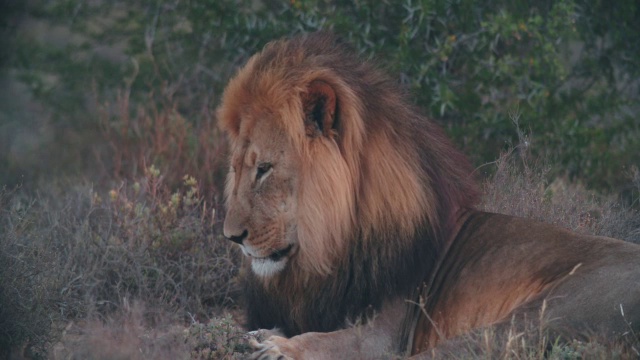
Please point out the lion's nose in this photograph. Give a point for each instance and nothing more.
(237, 238)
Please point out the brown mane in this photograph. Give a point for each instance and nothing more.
(379, 199)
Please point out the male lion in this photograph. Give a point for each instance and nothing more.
(347, 203)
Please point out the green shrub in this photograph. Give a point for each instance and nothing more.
(568, 67)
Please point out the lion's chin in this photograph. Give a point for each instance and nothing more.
(266, 267)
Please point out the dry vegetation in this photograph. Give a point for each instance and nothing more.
(140, 271)
(79, 256)
(155, 132)
(521, 188)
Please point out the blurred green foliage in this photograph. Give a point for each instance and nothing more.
(567, 69)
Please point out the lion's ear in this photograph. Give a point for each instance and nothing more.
(319, 105)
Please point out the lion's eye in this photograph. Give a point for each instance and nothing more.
(262, 169)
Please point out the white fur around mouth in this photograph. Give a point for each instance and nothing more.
(266, 267)
(269, 265)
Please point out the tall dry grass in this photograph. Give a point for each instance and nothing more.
(522, 188)
(73, 253)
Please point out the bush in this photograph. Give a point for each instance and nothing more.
(566, 66)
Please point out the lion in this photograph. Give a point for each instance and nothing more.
(357, 218)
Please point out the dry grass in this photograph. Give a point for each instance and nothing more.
(129, 334)
(76, 253)
(73, 258)
(125, 335)
(531, 344)
(520, 188)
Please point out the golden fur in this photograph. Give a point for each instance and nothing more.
(345, 199)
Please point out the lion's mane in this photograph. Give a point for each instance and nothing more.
(375, 207)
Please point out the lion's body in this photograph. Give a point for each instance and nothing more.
(499, 267)
(348, 202)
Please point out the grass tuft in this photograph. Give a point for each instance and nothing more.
(520, 188)
(71, 252)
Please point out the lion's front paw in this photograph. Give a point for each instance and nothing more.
(275, 348)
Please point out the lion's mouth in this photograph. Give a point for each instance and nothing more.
(277, 255)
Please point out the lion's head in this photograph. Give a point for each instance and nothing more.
(331, 166)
